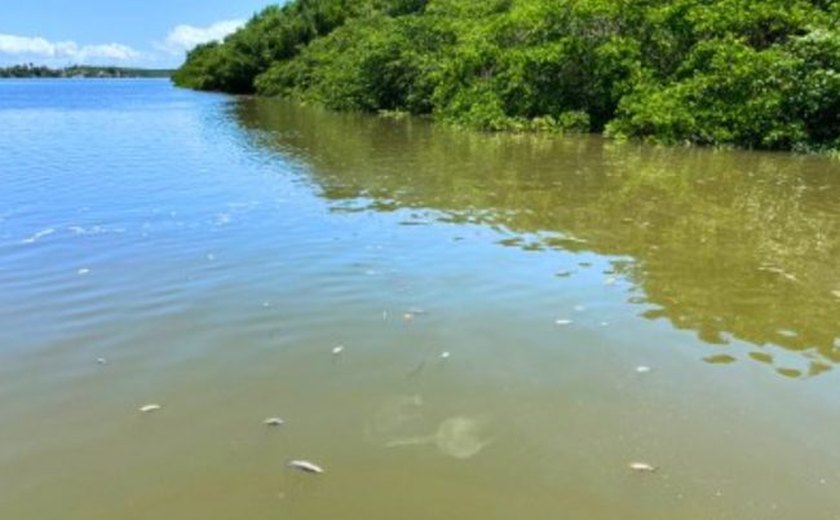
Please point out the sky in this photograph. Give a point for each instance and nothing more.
(132, 33)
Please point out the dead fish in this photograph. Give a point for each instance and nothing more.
(102, 361)
(445, 355)
(779, 271)
(274, 421)
(563, 322)
(338, 350)
(643, 369)
(642, 467)
(305, 465)
(150, 408)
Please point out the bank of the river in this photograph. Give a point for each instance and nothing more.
(756, 74)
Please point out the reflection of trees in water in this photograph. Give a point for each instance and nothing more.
(729, 244)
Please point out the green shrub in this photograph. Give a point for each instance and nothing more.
(751, 73)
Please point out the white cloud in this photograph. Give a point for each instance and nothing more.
(185, 37)
(15, 49)
(24, 48)
(114, 51)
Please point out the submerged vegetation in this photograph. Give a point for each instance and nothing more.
(751, 73)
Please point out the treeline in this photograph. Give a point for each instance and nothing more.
(80, 71)
(751, 73)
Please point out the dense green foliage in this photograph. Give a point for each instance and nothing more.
(80, 71)
(753, 73)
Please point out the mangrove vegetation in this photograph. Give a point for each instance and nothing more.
(761, 74)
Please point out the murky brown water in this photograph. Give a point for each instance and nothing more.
(522, 317)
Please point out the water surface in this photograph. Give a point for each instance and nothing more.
(496, 297)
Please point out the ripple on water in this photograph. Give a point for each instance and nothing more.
(153, 228)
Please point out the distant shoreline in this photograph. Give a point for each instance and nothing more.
(30, 71)
(59, 78)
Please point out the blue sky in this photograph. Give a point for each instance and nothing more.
(151, 33)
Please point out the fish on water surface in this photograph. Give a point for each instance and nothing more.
(305, 465)
(642, 467)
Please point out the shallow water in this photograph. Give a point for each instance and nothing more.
(522, 317)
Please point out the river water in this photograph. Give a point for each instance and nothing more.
(453, 325)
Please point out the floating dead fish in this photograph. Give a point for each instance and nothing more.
(83, 271)
(338, 350)
(778, 271)
(787, 333)
(642, 467)
(102, 361)
(563, 322)
(274, 421)
(445, 355)
(643, 369)
(305, 465)
(150, 408)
